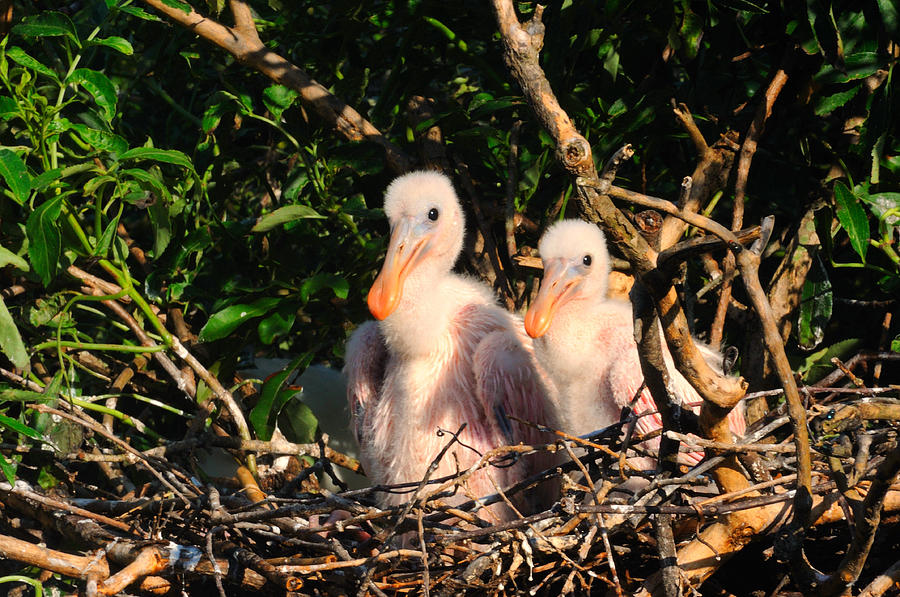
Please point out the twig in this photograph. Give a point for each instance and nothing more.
(868, 519)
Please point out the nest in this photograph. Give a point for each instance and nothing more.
(162, 529)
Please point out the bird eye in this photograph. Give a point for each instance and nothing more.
(586, 260)
(433, 214)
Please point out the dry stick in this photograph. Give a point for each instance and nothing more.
(867, 520)
(59, 505)
(698, 442)
(100, 429)
(148, 562)
(55, 561)
(882, 582)
(745, 157)
(426, 577)
(709, 175)
(665, 539)
(220, 392)
(242, 41)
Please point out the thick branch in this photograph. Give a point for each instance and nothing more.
(243, 43)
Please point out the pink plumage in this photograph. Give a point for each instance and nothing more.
(586, 343)
(443, 353)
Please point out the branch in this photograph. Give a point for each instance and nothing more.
(242, 42)
(522, 45)
(867, 521)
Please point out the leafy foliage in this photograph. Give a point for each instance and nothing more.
(132, 149)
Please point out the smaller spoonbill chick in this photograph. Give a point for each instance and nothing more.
(585, 341)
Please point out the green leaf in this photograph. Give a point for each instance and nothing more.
(277, 324)
(99, 86)
(140, 13)
(273, 395)
(856, 66)
(119, 44)
(885, 206)
(183, 6)
(18, 55)
(9, 469)
(228, 319)
(828, 104)
(44, 242)
(108, 234)
(15, 174)
(45, 179)
(10, 340)
(48, 24)
(297, 421)
(895, 344)
(168, 156)
(277, 99)
(7, 257)
(314, 284)
(889, 17)
(101, 140)
(162, 225)
(283, 215)
(9, 108)
(816, 303)
(18, 427)
(852, 217)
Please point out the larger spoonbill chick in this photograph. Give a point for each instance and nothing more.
(443, 353)
(585, 341)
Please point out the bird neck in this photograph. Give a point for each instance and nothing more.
(420, 323)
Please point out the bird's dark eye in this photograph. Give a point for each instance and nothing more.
(586, 260)
(433, 214)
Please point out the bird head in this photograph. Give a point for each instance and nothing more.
(427, 227)
(576, 267)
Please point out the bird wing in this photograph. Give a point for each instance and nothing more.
(508, 383)
(364, 365)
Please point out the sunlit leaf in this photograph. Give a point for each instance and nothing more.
(852, 217)
(273, 395)
(99, 86)
(10, 340)
(18, 427)
(15, 174)
(44, 241)
(119, 44)
(228, 319)
(283, 215)
(9, 469)
(168, 156)
(101, 140)
(828, 104)
(885, 206)
(277, 324)
(277, 99)
(18, 55)
(140, 13)
(182, 6)
(316, 283)
(7, 257)
(47, 23)
(9, 108)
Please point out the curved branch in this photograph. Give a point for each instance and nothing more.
(242, 42)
